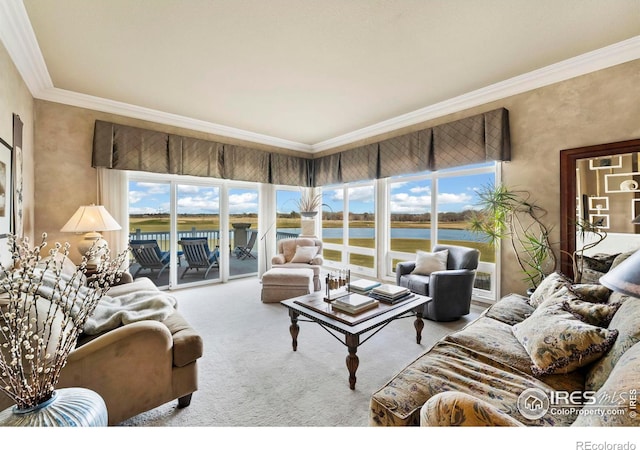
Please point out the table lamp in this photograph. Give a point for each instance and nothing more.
(625, 277)
(91, 220)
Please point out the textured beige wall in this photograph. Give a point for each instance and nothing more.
(16, 98)
(596, 108)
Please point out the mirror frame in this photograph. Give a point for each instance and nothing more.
(568, 161)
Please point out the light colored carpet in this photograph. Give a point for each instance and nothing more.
(250, 376)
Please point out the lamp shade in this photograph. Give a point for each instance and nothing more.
(91, 218)
(625, 277)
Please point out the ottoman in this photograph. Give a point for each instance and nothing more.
(281, 284)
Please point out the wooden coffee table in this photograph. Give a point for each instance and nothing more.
(315, 309)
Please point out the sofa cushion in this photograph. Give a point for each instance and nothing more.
(452, 367)
(416, 283)
(427, 262)
(510, 309)
(597, 314)
(594, 293)
(615, 394)
(627, 321)
(187, 344)
(594, 266)
(558, 342)
(549, 286)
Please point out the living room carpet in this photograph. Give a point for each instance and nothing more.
(250, 376)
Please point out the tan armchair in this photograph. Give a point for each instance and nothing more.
(305, 258)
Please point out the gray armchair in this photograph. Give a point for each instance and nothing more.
(450, 289)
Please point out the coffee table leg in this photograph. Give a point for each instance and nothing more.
(294, 329)
(352, 342)
(419, 324)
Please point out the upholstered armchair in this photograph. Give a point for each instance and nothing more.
(446, 275)
(301, 253)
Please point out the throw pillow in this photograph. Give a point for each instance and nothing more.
(594, 293)
(549, 285)
(557, 342)
(510, 309)
(596, 314)
(304, 254)
(427, 263)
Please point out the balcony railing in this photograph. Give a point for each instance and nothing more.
(212, 236)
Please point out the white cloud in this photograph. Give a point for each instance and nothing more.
(247, 202)
(154, 188)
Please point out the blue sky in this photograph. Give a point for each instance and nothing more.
(454, 194)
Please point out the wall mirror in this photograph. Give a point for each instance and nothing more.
(600, 185)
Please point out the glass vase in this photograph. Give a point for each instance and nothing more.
(69, 407)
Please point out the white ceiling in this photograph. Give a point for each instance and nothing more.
(312, 73)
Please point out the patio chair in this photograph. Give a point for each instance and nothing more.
(148, 255)
(198, 255)
(244, 252)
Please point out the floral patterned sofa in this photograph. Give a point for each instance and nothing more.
(575, 338)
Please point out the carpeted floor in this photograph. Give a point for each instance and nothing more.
(249, 375)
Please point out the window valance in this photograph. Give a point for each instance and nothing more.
(475, 139)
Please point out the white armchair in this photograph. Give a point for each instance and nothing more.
(301, 253)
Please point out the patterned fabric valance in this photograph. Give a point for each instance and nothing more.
(475, 139)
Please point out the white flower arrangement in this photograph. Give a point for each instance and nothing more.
(42, 312)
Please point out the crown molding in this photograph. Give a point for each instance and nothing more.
(621, 52)
(20, 41)
(18, 37)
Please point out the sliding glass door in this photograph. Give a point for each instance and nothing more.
(198, 232)
(191, 230)
(149, 230)
(243, 228)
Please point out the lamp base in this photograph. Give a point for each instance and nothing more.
(92, 246)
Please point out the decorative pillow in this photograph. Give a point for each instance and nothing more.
(549, 285)
(597, 314)
(557, 342)
(427, 262)
(600, 262)
(627, 322)
(511, 309)
(620, 258)
(304, 254)
(594, 293)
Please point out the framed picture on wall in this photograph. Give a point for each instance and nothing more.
(6, 189)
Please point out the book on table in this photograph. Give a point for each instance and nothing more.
(390, 293)
(363, 286)
(354, 301)
(341, 307)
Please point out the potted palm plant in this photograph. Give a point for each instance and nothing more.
(506, 214)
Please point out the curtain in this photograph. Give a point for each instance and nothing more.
(360, 163)
(246, 164)
(326, 170)
(196, 157)
(113, 193)
(408, 153)
(475, 139)
(290, 170)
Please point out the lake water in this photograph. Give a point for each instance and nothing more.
(407, 233)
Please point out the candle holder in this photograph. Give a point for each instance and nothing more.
(337, 284)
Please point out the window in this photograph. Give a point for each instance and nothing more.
(434, 207)
(349, 227)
